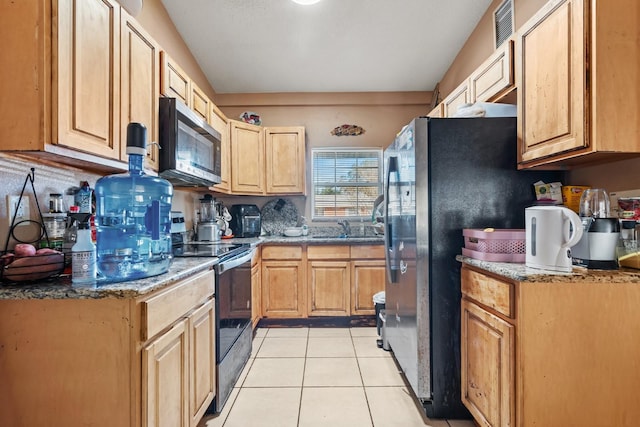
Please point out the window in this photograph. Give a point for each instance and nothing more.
(345, 182)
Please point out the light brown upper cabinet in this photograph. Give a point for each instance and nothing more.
(200, 103)
(577, 78)
(140, 88)
(62, 77)
(490, 82)
(456, 98)
(285, 160)
(494, 78)
(437, 111)
(268, 160)
(220, 123)
(175, 82)
(247, 158)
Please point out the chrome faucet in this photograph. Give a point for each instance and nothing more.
(346, 228)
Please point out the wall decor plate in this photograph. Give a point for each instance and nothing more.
(277, 215)
(347, 130)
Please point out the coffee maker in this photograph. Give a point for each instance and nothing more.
(601, 233)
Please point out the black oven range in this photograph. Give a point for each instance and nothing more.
(233, 310)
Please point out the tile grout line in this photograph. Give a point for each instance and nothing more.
(364, 390)
(304, 369)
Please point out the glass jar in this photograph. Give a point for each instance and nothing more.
(56, 203)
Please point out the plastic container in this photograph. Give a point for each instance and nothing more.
(504, 241)
(133, 217)
(496, 245)
(379, 303)
(83, 253)
(55, 224)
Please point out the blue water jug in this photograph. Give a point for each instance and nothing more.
(133, 218)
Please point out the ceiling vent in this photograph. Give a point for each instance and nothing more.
(503, 21)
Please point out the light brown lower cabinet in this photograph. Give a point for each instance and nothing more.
(320, 280)
(283, 282)
(562, 352)
(487, 379)
(328, 280)
(141, 361)
(368, 277)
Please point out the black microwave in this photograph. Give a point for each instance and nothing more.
(189, 146)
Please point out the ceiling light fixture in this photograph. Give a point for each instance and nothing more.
(306, 2)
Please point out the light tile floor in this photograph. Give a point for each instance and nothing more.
(309, 377)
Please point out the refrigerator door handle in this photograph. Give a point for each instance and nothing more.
(391, 272)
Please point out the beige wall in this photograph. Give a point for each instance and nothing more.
(382, 115)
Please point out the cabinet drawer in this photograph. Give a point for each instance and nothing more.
(163, 309)
(488, 291)
(282, 252)
(367, 252)
(328, 252)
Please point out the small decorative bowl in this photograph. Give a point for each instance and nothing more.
(293, 231)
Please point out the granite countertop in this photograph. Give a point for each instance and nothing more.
(62, 288)
(522, 273)
(317, 235)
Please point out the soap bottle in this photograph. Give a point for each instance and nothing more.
(133, 217)
(83, 252)
(305, 227)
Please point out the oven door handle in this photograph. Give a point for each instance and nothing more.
(235, 261)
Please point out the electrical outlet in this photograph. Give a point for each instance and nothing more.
(23, 209)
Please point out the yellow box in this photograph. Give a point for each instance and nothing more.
(571, 195)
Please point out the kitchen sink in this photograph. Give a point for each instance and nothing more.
(336, 236)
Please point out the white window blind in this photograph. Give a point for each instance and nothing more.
(346, 182)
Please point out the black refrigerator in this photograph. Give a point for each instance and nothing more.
(443, 175)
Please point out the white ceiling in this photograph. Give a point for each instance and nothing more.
(260, 46)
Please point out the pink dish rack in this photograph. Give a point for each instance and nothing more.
(499, 245)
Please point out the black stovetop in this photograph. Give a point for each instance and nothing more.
(208, 249)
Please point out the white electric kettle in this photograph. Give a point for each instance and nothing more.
(550, 233)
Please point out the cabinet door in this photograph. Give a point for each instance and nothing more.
(459, 96)
(200, 103)
(494, 78)
(174, 83)
(220, 123)
(437, 111)
(487, 374)
(202, 370)
(140, 86)
(247, 158)
(165, 379)
(256, 293)
(88, 71)
(328, 287)
(552, 98)
(367, 279)
(283, 289)
(285, 160)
